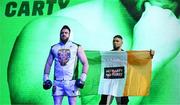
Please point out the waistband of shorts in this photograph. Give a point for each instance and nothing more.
(64, 79)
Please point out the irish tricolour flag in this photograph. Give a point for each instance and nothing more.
(126, 73)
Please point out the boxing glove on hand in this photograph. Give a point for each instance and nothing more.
(47, 84)
(79, 83)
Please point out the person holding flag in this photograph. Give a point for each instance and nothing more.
(106, 98)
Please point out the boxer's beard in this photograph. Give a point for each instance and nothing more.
(116, 48)
(64, 40)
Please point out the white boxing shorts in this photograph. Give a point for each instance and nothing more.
(65, 88)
